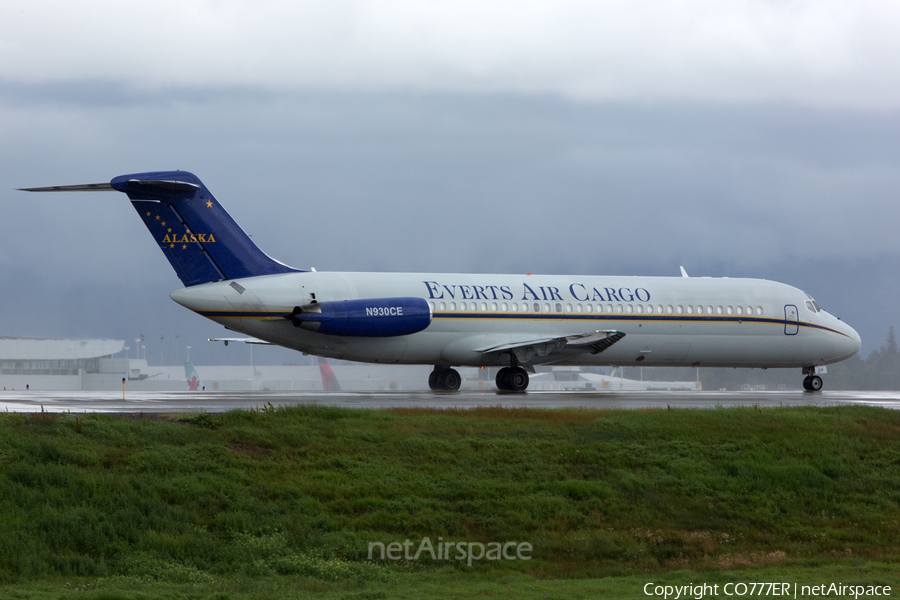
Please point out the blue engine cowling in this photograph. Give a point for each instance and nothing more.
(372, 317)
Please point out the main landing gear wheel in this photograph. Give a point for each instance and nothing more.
(812, 383)
(512, 379)
(444, 380)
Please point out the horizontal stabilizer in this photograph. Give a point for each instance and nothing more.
(86, 187)
(160, 185)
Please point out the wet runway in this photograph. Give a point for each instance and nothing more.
(217, 402)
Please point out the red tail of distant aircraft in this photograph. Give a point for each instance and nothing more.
(329, 381)
(193, 379)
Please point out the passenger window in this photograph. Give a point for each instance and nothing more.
(453, 306)
(749, 310)
(463, 307)
(589, 307)
(669, 309)
(709, 310)
(729, 310)
(690, 309)
(546, 307)
(579, 309)
(680, 309)
(537, 307)
(504, 307)
(609, 308)
(719, 309)
(619, 308)
(649, 308)
(484, 306)
(431, 306)
(630, 309)
(759, 310)
(515, 307)
(558, 307)
(640, 308)
(740, 310)
(443, 306)
(494, 306)
(659, 308)
(699, 309)
(569, 308)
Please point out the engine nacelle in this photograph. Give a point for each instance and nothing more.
(372, 317)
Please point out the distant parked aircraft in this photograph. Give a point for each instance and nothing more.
(193, 379)
(329, 380)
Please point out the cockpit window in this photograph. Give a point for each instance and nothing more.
(812, 304)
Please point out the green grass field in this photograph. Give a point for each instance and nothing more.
(284, 503)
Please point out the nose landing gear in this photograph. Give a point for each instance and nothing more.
(812, 383)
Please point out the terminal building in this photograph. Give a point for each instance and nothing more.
(55, 364)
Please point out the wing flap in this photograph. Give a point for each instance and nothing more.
(597, 341)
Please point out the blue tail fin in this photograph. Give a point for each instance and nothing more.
(200, 239)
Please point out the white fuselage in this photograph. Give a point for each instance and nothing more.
(716, 322)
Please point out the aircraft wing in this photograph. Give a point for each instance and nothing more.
(526, 349)
(244, 340)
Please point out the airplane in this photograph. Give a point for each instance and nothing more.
(453, 319)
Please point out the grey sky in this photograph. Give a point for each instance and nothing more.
(742, 139)
(832, 53)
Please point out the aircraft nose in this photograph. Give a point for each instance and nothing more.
(850, 344)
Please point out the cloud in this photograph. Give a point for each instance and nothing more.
(816, 53)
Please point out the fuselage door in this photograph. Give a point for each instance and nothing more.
(791, 320)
